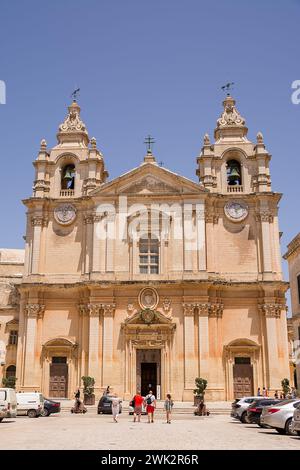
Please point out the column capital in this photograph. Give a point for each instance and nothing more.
(108, 310)
(34, 310)
(39, 221)
(216, 310)
(94, 310)
(188, 309)
(203, 309)
(264, 216)
(271, 310)
(211, 217)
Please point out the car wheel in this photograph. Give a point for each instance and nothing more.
(298, 433)
(280, 430)
(288, 428)
(244, 418)
(31, 413)
(1, 419)
(45, 412)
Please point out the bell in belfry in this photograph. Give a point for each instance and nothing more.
(68, 174)
(234, 176)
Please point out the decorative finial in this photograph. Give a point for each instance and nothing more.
(149, 141)
(259, 138)
(206, 139)
(43, 145)
(93, 143)
(75, 93)
(227, 87)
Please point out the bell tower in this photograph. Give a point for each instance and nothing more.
(233, 164)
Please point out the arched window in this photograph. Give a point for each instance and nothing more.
(149, 254)
(234, 174)
(68, 177)
(10, 371)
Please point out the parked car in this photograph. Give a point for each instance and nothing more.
(255, 409)
(8, 403)
(239, 407)
(30, 404)
(280, 416)
(50, 406)
(296, 420)
(104, 405)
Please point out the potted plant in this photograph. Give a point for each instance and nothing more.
(88, 390)
(9, 382)
(285, 384)
(199, 391)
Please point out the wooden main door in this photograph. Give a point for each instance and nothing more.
(242, 379)
(148, 377)
(58, 387)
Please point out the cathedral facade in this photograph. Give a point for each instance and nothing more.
(151, 279)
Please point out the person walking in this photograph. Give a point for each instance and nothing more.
(77, 394)
(137, 404)
(168, 407)
(107, 391)
(264, 392)
(276, 394)
(150, 402)
(115, 407)
(258, 392)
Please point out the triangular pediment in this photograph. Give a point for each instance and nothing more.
(149, 179)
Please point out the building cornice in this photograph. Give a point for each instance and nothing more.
(293, 247)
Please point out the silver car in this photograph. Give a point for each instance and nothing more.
(239, 407)
(296, 421)
(280, 416)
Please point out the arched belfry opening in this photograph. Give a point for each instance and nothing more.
(68, 176)
(234, 173)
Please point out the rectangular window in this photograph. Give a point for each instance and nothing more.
(13, 337)
(242, 360)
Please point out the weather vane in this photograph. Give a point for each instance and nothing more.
(75, 93)
(227, 87)
(149, 141)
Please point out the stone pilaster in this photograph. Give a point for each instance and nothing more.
(203, 313)
(38, 222)
(190, 364)
(33, 312)
(108, 345)
(94, 336)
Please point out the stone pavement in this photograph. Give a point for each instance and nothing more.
(92, 431)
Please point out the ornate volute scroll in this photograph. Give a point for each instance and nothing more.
(34, 310)
(214, 309)
(188, 309)
(95, 310)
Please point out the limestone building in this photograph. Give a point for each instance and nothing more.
(150, 279)
(293, 257)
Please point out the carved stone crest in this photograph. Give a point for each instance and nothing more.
(148, 315)
(65, 214)
(148, 298)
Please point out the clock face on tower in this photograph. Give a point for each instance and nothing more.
(236, 211)
(65, 214)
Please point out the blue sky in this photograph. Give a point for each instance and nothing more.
(146, 67)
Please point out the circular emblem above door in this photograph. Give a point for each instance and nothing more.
(236, 211)
(148, 298)
(65, 214)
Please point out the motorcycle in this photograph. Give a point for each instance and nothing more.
(78, 408)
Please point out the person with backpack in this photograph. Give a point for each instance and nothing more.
(150, 402)
(168, 407)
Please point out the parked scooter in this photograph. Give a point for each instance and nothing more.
(78, 407)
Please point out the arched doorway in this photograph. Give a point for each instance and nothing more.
(241, 368)
(10, 371)
(59, 367)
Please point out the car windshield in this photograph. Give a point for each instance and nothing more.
(2, 395)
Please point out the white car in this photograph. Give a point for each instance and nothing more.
(296, 421)
(239, 407)
(280, 416)
(30, 404)
(8, 403)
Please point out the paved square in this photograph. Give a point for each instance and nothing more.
(92, 431)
